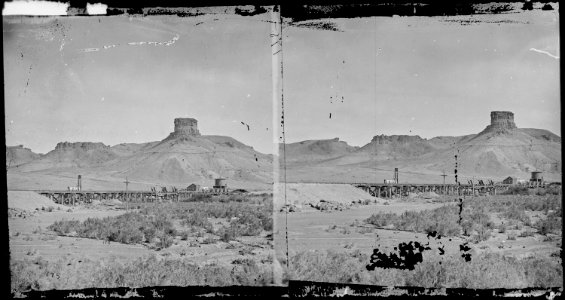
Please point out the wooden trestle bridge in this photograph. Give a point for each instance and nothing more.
(389, 190)
(76, 197)
(383, 190)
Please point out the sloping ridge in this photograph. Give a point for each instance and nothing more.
(495, 152)
(18, 155)
(315, 150)
(200, 159)
(178, 160)
(72, 155)
(397, 147)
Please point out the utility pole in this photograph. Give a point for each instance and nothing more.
(126, 195)
(458, 191)
(443, 175)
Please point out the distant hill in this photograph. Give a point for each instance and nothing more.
(182, 158)
(500, 150)
(196, 159)
(71, 155)
(316, 150)
(18, 155)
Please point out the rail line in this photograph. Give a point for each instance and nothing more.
(75, 197)
(383, 190)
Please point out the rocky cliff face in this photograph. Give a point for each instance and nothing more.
(185, 127)
(500, 122)
(395, 139)
(85, 146)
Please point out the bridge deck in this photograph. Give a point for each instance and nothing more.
(85, 196)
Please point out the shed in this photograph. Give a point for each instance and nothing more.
(194, 187)
(510, 180)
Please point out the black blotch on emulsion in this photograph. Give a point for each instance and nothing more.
(255, 11)
(407, 257)
(299, 12)
(433, 234)
(465, 248)
(244, 124)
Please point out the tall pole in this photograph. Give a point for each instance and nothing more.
(458, 190)
(278, 118)
(126, 195)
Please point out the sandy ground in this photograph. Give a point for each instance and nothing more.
(30, 201)
(304, 193)
(310, 229)
(30, 235)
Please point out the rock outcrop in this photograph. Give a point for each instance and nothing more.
(85, 146)
(500, 122)
(185, 127)
(397, 139)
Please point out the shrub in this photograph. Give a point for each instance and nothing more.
(517, 190)
(165, 241)
(484, 271)
(197, 218)
(40, 274)
(129, 235)
(227, 234)
(64, 227)
(152, 221)
(248, 225)
(443, 220)
(209, 240)
(364, 230)
(483, 234)
(551, 224)
(149, 234)
(501, 228)
(162, 223)
(129, 228)
(381, 219)
(511, 236)
(516, 213)
(467, 227)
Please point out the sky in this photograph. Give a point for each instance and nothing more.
(420, 76)
(402, 75)
(216, 69)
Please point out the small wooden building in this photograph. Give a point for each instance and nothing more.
(194, 188)
(510, 180)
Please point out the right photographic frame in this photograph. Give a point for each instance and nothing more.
(419, 145)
